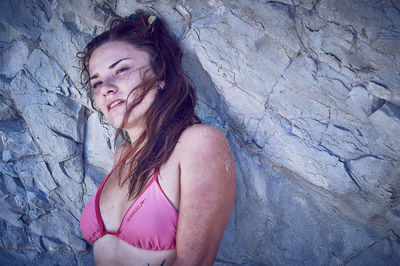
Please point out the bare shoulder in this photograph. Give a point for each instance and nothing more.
(206, 148)
(203, 136)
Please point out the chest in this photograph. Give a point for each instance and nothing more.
(114, 202)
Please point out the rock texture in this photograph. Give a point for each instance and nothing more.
(307, 92)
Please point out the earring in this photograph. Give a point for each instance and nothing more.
(161, 85)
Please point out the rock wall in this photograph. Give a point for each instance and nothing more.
(307, 92)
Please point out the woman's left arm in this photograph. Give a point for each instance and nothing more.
(207, 194)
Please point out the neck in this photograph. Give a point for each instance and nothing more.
(134, 133)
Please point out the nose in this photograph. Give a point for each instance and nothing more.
(109, 87)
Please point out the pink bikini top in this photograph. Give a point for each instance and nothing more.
(149, 223)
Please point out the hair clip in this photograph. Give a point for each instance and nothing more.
(152, 22)
(132, 16)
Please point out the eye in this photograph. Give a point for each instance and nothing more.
(95, 85)
(122, 69)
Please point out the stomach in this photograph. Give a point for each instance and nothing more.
(110, 250)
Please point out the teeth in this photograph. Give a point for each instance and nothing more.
(115, 103)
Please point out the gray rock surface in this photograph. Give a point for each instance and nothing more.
(307, 93)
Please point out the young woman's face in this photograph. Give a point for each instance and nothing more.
(115, 69)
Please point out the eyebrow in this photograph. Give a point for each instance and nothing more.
(110, 67)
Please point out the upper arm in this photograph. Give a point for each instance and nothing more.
(207, 192)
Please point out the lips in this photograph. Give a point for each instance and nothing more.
(114, 103)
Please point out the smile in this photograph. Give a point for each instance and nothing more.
(115, 103)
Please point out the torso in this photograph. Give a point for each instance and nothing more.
(114, 203)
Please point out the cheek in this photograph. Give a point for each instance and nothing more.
(138, 75)
(97, 100)
(135, 94)
(133, 80)
(95, 96)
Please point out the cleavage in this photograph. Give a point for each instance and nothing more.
(113, 203)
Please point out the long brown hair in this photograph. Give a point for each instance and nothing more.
(173, 108)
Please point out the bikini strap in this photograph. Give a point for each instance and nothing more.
(123, 158)
(115, 167)
(156, 173)
(126, 154)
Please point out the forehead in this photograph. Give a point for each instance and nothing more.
(108, 53)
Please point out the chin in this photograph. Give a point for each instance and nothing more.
(115, 122)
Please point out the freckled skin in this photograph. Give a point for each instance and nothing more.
(118, 82)
(206, 185)
(198, 178)
(110, 85)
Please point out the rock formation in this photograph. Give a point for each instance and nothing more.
(306, 91)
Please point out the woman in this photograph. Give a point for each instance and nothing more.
(169, 196)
